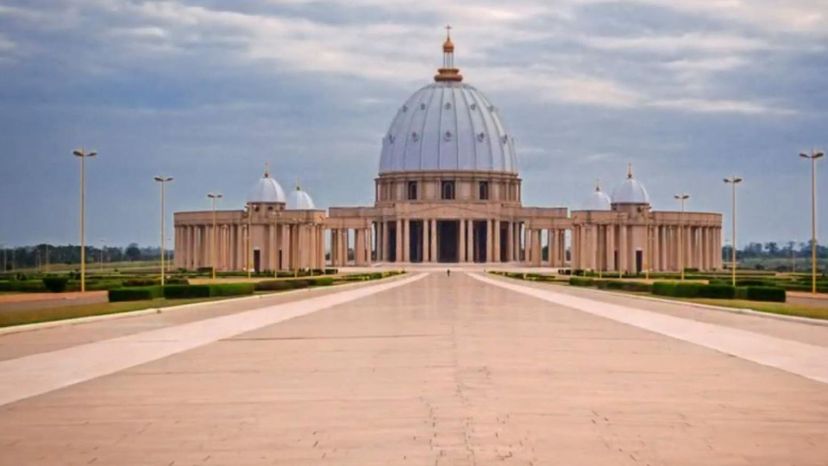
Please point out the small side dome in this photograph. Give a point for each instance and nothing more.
(630, 192)
(267, 190)
(300, 200)
(598, 200)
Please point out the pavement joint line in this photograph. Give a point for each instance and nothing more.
(41, 373)
(732, 310)
(159, 310)
(809, 361)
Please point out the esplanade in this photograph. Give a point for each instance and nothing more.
(448, 190)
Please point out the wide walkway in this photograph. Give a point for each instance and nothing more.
(434, 370)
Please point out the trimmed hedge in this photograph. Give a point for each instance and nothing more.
(135, 293)
(186, 291)
(762, 293)
(578, 281)
(274, 285)
(55, 284)
(230, 289)
(624, 285)
(29, 286)
(694, 290)
(207, 291)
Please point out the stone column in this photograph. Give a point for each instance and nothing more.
(551, 246)
(622, 248)
(537, 237)
(434, 240)
(609, 249)
(406, 240)
(595, 245)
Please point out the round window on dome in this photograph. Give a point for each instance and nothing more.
(415, 137)
(447, 136)
(422, 106)
(481, 136)
(504, 139)
(448, 106)
(473, 106)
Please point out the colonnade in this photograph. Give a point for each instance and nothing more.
(478, 240)
(633, 248)
(340, 241)
(555, 243)
(272, 247)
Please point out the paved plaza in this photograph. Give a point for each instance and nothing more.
(422, 369)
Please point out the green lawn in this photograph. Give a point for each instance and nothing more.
(31, 316)
(789, 309)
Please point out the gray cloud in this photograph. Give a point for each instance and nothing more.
(209, 91)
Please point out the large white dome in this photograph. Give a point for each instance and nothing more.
(300, 200)
(630, 192)
(447, 125)
(266, 190)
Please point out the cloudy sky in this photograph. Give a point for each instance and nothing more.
(687, 91)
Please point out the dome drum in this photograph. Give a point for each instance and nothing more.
(439, 186)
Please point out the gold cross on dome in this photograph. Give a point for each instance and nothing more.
(448, 30)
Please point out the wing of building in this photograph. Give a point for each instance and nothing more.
(448, 190)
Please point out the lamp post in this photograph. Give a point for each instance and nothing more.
(83, 155)
(163, 180)
(213, 198)
(813, 156)
(733, 181)
(681, 198)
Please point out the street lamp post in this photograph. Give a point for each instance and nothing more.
(733, 181)
(681, 198)
(163, 180)
(83, 155)
(813, 156)
(213, 197)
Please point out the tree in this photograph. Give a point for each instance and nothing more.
(133, 252)
(772, 248)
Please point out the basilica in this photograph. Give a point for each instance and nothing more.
(448, 191)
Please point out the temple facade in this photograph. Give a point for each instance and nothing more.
(448, 191)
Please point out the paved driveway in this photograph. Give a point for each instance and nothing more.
(437, 370)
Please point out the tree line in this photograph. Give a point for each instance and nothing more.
(43, 254)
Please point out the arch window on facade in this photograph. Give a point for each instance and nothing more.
(483, 190)
(447, 190)
(412, 190)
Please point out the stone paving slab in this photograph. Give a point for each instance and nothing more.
(809, 361)
(443, 371)
(73, 332)
(43, 372)
(756, 322)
